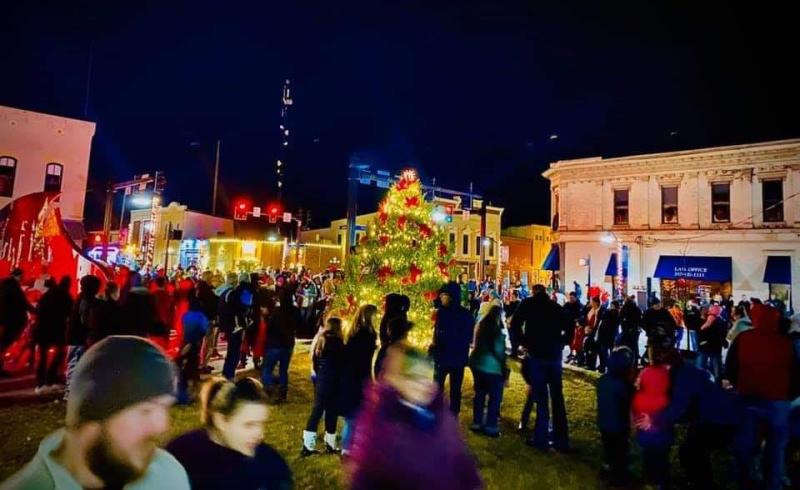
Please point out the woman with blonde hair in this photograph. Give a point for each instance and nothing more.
(361, 341)
(229, 451)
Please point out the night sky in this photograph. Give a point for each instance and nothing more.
(464, 91)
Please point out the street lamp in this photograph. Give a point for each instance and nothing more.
(587, 262)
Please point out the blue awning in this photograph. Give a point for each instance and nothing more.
(778, 270)
(553, 260)
(699, 268)
(611, 268)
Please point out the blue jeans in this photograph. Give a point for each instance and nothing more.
(711, 363)
(273, 356)
(545, 379)
(74, 354)
(232, 356)
(774, 416)
(456, 380)
(487, 385)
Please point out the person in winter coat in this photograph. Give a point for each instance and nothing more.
(630, 319)
(328, 362)
(761, 365)
(488, 364)
(547, 329)
(405, 436)
(236, 305)
(165, 311)
(106, 316)
(614, 394)
(14, 309)
(452, 336)
(360, 344)
(78, 328)
(194, 328)
(607, 333)
(711, 339)
(138, 308)
(52, 314)
(574, 309)
(395, 305)
(229, 451)
(593, 316)
(210, 302)
(283, 325)
(741, 323)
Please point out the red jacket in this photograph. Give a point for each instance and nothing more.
(761, 361)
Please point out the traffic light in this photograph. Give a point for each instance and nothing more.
(274, 212)
(448, 213)
(240, 211)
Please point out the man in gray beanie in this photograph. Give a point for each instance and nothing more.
(118, 407)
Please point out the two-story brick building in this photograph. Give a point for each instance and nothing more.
(711, 221)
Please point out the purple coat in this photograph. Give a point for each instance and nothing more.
(397, 447)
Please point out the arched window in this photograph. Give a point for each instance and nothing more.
(52, 177)
(8, 171)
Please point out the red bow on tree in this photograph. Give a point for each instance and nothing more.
(384, 272)
(442, 250)
(383, 216)
(443, 268)
(364, 240)
(414, 273)
(383, 239)
(401, 222)
(425, 230)
(351, 300)
(430, 295)
(412, 202)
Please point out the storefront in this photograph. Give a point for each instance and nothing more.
(552, 263)
(778, 276)
(686, 277)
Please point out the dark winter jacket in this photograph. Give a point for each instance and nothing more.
(14, 308)
(548, 328)
(396, 304)
(658, 317)
(78, 329)
(401, 446)
(139, 312)
(52, 315)
(226, 309)
(609, 327)
(711, 339)
(214, 467)
(452, 332)
(329, 365)
(105, 319)
(630, 317)
(283, 325)
(205, 293)
(761, 362)
(359, 351)
(614, 394)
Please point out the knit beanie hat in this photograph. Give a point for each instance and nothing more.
(116, 373)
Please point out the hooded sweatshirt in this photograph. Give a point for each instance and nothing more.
(761, 362)
(453, 331)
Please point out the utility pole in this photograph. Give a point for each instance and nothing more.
(481, 265)
(107, 219)
(280, 164)
(216, 181)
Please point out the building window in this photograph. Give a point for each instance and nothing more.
(491, 247)
(669, 205)
(772, 200)
(52, 177)
(8, 171)
(465, 245)
(452, 240)
(339, 239)
(621, 207)
(721, 202)
(478, 245)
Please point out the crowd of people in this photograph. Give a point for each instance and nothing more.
(728, 372)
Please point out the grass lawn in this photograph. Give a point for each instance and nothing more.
(504, 463)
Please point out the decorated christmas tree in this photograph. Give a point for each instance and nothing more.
(404, 251)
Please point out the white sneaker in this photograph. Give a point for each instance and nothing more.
(40, 390)
(56, 388)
